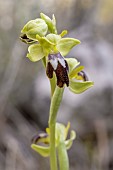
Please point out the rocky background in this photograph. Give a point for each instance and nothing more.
(24, 88)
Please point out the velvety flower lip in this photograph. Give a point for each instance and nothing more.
(57, 64)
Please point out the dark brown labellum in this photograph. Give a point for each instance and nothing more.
(49, 70)
(57, 64)
(62, 76)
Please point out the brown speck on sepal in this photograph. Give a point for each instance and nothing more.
(49, 70)
(83, 75)
(62, 76)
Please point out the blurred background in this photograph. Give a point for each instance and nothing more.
(24, 87)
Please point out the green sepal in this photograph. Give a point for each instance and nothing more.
(74, 73)
(42, 150)
(54, 38)
(66, 44)
(79, 87)
(60, 132)
(69, 142)
(63, 156)
(47, 45)
(72, 63)
(34, 27)
(51, 23)
(35, 52)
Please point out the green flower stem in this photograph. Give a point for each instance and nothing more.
(55, 103)
(63, 156)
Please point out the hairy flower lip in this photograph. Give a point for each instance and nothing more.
(57, 64)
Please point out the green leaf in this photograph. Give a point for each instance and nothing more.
(43, 151)
(35, 52)
(69, 142)
(53, 38)
(34, 27)
(51, 23)
(72, 63)
(66, 44)
(79, 87)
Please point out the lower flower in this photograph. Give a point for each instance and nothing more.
(68, 72)
(41, 141)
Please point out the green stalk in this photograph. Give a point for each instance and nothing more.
(55, 103)
(63, 156)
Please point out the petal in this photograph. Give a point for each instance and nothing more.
(62, 156)
(33, 27)
(75, 72)
(46, 44)
(79, 87)
(44, 151)
(72, 63)
(53, 38)
(51, 23)
(67, 129)
(60, 132)
(41, 31)
(63, 33)
(66, 44)
(35, 52)
(69, 142)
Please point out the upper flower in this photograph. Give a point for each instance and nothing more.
(45, 43)
(42, 31)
